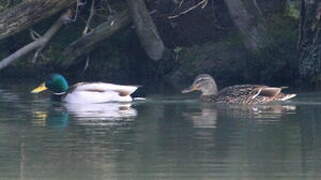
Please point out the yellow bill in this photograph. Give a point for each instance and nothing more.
(190, 89)
(40, 88)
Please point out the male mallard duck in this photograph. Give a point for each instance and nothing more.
(86, 93)
(237, 94)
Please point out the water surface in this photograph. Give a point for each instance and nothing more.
(166, 137)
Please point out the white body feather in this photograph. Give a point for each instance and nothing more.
(89, 93)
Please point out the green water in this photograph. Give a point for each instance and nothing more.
(166, 137)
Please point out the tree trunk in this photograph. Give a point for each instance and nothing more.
(27, 13)
(249, 23)
(146, 29)
(310, 41)
(87, 43)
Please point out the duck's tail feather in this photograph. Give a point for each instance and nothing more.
(287, 97)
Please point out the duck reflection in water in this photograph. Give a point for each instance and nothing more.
(209, 114)
(206, 117)
(108, 114)
(107, 111)
(261, 112)
(56, 119)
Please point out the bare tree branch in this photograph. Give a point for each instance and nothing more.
(87, 43)
(202, 3)
(39, 43)
(87, 29)
(91, 15)
(37, 53)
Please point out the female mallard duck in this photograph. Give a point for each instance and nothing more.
(86, 93)
(237, 94)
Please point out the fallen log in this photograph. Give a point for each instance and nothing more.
(28, 13)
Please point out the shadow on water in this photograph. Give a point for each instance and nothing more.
(165, 137)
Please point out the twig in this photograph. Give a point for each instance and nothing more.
(9, 3)
(110, 10)
(37, 53)
(34, 35)
(86, 30)
(180, 4)
(202, 3)
(91, 15)
(87, 63)
(257, 7)
(78, 5)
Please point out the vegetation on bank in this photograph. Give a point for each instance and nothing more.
(192, 37)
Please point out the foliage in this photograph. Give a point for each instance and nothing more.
(278, 63)
(196, 47)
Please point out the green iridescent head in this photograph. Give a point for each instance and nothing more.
(55, 83)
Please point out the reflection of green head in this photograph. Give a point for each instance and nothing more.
(57, 83)
(58, 119)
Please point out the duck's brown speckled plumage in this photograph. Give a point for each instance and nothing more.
(242, 94)
(238, 94)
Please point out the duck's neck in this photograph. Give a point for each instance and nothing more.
(57, 97)
(208, 98)
(209, 92)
